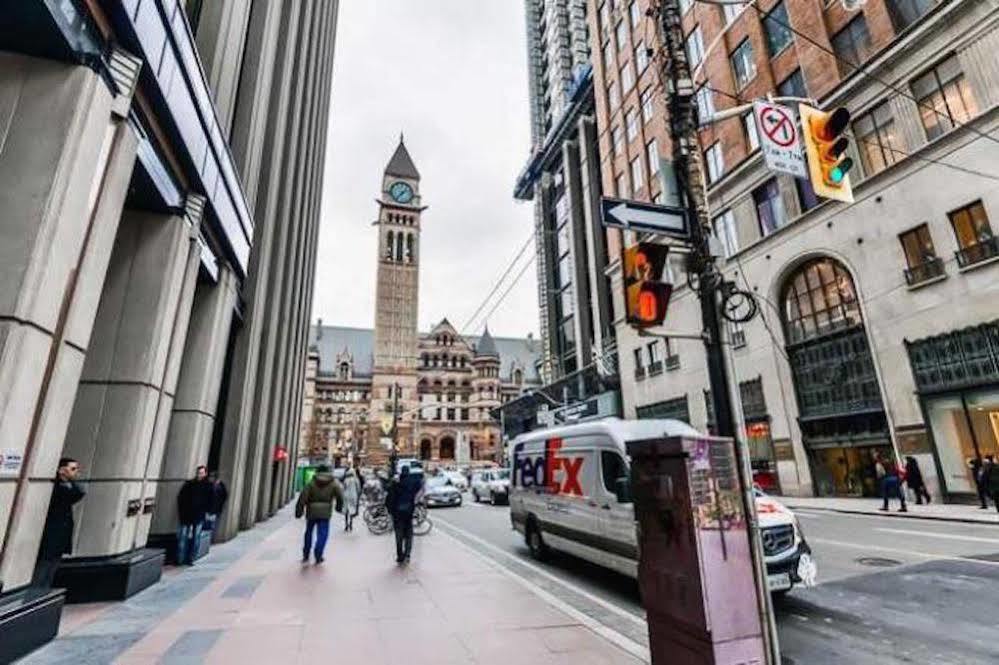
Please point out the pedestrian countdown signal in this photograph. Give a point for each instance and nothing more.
(825, 145)
(646, 297)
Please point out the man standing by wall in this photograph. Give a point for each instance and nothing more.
(193, 503)
(57, 537)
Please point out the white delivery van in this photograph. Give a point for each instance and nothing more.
(590, 515)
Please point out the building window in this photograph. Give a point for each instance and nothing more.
(627, 77)
(676, 408)
(852, 45)
(724, 230)
(904, 13)
(877, 140)
(793, 85)
(819, 299)
(623, 191)
(639, 366)
(749, 129)
(974, 234)
(685, 6)
(921, 260)
(605, 10)
(769, 207)
(647, 107)
(637, 178)
(652, 154)
(944, 98)
(622, 35)
(672, 357)
(743, 64)
(807, 198)
(732, 11)
(705, 105)
(613, 96)
(617, 140)
(695, 47)
(714, 162)
(609, 62)
(655, 359)
(634, 15)
(777, 28)
(631, 120)
(641, 58)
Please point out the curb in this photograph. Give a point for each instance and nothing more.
(909, 516)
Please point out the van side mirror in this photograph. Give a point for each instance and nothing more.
(622, 490)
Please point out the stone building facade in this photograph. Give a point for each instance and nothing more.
(877, 323)
(435, 392)
(159, 176)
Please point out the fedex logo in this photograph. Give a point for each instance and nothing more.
(555, 474)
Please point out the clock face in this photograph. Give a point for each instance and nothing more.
(401, 192)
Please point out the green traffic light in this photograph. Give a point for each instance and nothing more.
(836, 175)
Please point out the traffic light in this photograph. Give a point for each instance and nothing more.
(646, 298)
(825, 145)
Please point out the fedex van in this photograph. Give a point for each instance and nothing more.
(579, 500)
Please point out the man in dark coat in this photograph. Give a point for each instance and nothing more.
(978, 474)
(914, 479)
(193, 503)
(990, 479)
(401, 503)
(220, 494)
(57, 536)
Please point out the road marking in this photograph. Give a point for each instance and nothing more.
(948, 536)
(620, 611)
(895, 550)
(619, 640)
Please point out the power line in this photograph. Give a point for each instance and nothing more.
(516, 279)
(499, 282)
(863, 70)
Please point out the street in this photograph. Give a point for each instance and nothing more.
(890, 590)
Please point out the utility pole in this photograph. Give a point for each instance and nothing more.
(708, 280)
(394, 455)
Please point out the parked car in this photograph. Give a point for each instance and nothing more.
(493, 485)
(592, 516)
(439, 491)
(457, 479)
(414, 465)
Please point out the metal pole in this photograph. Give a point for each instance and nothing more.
(394, 454)
(687, 156)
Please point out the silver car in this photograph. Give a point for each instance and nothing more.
(493, 485)
(439, 491)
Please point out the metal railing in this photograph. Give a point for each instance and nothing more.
(931, 268)
(983, 250)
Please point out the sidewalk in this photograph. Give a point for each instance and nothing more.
(448, 606)
(948, 512)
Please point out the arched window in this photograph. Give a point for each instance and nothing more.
(410, 249)
(344, 371)
(398, 247)
(462, 363)
(389, 245)
(425, 360)
(518, 377)
(819, 298)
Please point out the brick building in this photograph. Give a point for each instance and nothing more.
(878, 318)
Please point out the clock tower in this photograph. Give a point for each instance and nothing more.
(397, 297)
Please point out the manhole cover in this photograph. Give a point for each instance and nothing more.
(878, 562)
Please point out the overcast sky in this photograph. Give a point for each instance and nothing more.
(451, 75)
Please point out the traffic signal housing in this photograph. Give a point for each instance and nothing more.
(825, 144)
(646, 296)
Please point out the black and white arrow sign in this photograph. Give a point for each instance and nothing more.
(638, 216)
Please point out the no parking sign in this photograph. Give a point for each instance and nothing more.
(780, 141)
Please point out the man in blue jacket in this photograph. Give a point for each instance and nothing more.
(401, 503)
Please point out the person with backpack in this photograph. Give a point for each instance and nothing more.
(891, 476)
(317, 502)
(401, 504)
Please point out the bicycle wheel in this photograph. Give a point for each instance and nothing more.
(421, 521)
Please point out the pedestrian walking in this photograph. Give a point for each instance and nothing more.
(979, 470)
(401, 503)
(914, 479)
(890, 476)
(220, 494)
(991, 479)
(317, 502)
(193, 503)
(57, 534)
(351, 497)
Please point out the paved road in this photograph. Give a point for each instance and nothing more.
(890, 590)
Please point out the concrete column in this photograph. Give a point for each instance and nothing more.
(240, 442)
(65, 164)
(220, 38)
(123, 405)
(192, 421)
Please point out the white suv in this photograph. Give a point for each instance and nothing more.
(493, 485)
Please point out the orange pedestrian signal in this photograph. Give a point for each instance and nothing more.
(646, 297)
(825, 146)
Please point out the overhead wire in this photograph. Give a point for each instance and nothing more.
(512, 284)
(499, 282)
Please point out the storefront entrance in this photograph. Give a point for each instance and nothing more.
(965, 427)
(846, 471)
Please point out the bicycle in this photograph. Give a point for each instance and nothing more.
(379, 522)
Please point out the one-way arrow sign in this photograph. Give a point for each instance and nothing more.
(638, 216)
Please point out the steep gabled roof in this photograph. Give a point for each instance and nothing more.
(401, 164)
(486, 345)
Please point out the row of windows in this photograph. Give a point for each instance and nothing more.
(976, 243)
(342, 395)
(403, 220)
(453, 362)
(400, 247)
